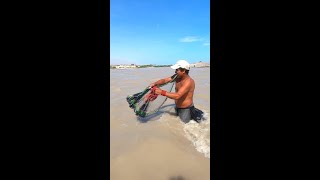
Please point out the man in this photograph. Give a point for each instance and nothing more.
(183, 96)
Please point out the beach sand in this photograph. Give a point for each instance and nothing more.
(162, 147)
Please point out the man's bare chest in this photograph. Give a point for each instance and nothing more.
(178, 85)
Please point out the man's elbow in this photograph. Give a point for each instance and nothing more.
(177, 97)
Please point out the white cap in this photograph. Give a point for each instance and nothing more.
(181, 64)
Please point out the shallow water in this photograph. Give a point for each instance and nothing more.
(160, 147)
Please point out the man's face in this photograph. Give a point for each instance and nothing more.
(179, 72)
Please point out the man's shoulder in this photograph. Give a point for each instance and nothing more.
(190, 79)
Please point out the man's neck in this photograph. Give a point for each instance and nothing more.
(184, 77)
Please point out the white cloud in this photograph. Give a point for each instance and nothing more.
(190, 39)
(206, 44)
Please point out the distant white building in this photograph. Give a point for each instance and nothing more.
(125, 66)
(200, 64)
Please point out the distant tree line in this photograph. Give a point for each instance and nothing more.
(150, 65)
(144, 66)
(162, 65)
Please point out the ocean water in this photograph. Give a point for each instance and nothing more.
(159, 147)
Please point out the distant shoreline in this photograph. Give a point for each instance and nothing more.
(153, 67)
(134, 66)
(142, 66)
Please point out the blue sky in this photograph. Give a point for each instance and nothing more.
(159, 31)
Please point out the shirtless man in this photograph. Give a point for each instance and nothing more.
(185, 86)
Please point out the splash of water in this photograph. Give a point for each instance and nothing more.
(199, 134)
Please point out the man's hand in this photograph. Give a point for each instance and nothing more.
(152, 84)
(158, 90)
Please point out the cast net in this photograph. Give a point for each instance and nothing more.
(147, 102)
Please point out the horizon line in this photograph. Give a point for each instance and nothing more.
(156, 64)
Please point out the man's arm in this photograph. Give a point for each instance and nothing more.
(161, 81)
(182, 91)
